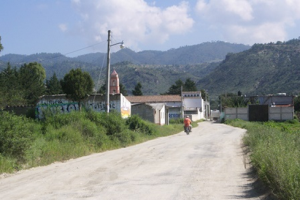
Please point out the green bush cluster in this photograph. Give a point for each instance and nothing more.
(16, 135)
(26, 143)
(176, 121)
(135, 123)
(275, 153)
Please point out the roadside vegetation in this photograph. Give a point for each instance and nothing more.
(26, 143)
(275, 154)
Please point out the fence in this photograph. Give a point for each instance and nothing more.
(274, 113)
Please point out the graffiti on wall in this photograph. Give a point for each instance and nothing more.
(174, 116)
(64, 106)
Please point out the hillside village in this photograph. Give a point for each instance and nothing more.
(159, 109)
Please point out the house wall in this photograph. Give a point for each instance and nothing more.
(95, 102)
(144, 111)
(125, 108)
(193, 106)
(162, 118)
(277, 100)
(174, 112)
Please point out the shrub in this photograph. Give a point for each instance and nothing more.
(176, 121)
(7, 164)
(112, 122)
(135, 123)
(16, 134)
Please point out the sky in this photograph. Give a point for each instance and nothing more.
(78, 27)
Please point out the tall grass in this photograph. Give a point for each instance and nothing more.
(275, 153)
(26, 143)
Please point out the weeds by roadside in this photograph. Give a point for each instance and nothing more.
(26, 143)
(275, 153)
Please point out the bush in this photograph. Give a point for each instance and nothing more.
(7, 164)
(16, 134)
(135, 123)
(176, 121)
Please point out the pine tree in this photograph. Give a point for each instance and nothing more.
(53, 85)
(137, 90)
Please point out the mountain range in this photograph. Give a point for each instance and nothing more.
(263, 69)
(218, 67)
(156, 70)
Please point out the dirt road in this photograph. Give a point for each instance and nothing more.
(207, 164)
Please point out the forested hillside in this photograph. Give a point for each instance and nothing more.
(156, 70)
(264, 69)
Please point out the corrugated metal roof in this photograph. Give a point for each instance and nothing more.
(154, 99)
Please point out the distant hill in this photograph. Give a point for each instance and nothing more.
(195, 54)
(263, 69)
(156, 70)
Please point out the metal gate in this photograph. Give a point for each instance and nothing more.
(258, 113)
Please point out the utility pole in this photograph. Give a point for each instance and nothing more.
(108, 73)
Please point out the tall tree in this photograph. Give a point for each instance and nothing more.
(77, 85)
(53, 85)
(176, 88)
(137, 90)
(204, 94)
(189, 85)
(11, 92)
(102, 89)
(123, 90)
(32, 77)
(1, 47)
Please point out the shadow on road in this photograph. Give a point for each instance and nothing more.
(255, 189)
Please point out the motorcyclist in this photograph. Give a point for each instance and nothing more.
(187, 123)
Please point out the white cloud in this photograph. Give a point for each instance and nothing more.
(250, 21)
(133, 21)
(63, 27)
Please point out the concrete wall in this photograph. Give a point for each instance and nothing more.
(97, 103)
(281, 113)
(240, 113)
(275, 113)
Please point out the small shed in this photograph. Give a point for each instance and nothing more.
(153, 112)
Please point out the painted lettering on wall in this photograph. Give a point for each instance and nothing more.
(63, 106)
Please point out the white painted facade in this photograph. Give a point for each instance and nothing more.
(193, 105)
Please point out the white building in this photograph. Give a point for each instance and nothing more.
(194, 106)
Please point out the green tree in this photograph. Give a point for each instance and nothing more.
(189, 85)
(102, 89)
(32, 78)
(297, 104)
(137, 90)
(10, 88)
(1, 47)
(123, 90)
(233, 100)
(53, 85)
(204, 94)
(77, 85)
(176, 88)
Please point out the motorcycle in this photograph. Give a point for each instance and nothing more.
(187, 129)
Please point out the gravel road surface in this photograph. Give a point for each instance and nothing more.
(207, 164)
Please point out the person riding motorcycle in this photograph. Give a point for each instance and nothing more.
(187, 123)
